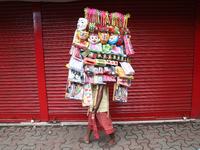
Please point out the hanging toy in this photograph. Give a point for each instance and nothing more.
(104, 37)
(128, 45)
(82, 35)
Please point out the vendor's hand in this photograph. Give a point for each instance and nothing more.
(94, 110)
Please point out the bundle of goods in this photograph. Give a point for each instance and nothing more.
(100, 53)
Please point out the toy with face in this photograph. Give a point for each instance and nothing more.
(103, 37)
(82, 24)
(82, 35)
(93, 39)
(113, 39)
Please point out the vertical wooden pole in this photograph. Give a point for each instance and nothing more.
(195, 112)
(40, 61)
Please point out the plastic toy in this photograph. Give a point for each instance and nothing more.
(101, 62)
(81, 44)
(89, 61)
(112, 62)
(106, 48)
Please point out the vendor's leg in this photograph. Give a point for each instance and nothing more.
(111, 142)
(87, 137)
(112, 139)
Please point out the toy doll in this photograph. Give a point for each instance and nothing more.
(94, 46)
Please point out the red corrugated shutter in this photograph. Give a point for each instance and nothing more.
(163, 38)
(18, 75)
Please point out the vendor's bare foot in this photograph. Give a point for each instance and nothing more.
(110, 143)
(84, 140)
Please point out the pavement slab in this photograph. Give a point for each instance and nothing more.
(155, 136)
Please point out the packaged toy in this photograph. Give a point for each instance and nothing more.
(76, 76)
(76, 64)
(76, 54)
(117, 50)
(124, 81)
(127, 68)
(122, 74)
(120, 93)
(87, 98)
(74, 91)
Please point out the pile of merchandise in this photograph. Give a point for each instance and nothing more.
(100, 54)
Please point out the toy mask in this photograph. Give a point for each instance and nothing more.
(82, 35)
(93, 39)
(82, 24)
(103, 37)
(113, 39)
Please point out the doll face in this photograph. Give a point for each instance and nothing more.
(113, 39)
(93, 38)
(82, 24)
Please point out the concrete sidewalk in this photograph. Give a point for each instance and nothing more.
(154, 136)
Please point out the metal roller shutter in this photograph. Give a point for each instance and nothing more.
(163, 38)
(18, 75)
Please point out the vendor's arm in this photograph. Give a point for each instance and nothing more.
(99, 98)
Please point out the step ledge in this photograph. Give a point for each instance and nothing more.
(86, 123)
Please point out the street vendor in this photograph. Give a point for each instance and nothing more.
(102, 117)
